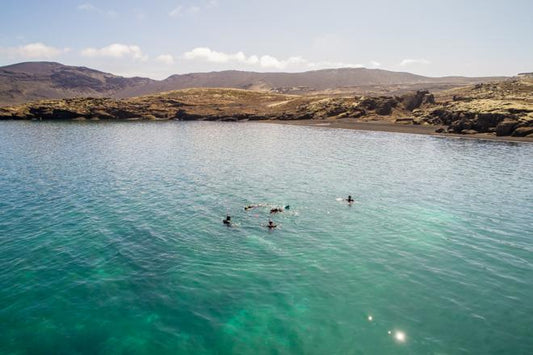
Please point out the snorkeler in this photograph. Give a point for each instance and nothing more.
(249, 207)
(279, 209)
(271, 224)
(227, 221)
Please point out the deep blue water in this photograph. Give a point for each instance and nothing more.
(111, 241)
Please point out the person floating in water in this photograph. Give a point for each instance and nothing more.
(271, 224)
(227, 221)
(350, 200)
(273, 210)
(279, 209)
(249, 207)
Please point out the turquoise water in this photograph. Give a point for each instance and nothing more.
(111, 241)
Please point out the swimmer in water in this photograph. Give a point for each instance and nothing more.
(271, 224)
(249, 207)
(350, 199)
(227, 221)
(279, 209)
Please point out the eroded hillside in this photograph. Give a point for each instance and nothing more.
(503, 108)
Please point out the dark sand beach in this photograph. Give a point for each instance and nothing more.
(386, 126)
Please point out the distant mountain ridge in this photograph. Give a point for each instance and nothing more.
(31, 81)
(47, 80)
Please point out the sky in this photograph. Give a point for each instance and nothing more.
(159, 38)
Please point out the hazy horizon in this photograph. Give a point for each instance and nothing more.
(478, 38)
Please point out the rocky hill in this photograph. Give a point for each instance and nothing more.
(45, 80)
(503, 108)
(24, 82)
(221, 104)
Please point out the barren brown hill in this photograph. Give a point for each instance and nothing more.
(502, 108)
(31, 81)
(46, 80)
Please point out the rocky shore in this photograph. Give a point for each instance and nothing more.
(502, 108)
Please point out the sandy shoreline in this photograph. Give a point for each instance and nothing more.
(384, 126)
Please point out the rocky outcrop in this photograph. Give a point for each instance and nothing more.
(385, 105)
(522, 131)
(415, 101)
(381, 105)
(485, 122)
(320, 109)
(506, 127)
(500, 109)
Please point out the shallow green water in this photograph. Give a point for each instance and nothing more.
(111, 241)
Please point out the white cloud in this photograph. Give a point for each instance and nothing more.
(211, 4)
(216, 57)
(176, 12)
(265, 61)
(33, 51)
(407, 62)
(180, 10)
(86, 7)
(165, 59)
(331, 65)
(194, 9)
(91, 8)
(116, 50)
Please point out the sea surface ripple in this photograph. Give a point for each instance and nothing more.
(111, 241)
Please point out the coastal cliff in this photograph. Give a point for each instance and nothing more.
(503, 108)
(218, 105)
